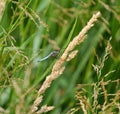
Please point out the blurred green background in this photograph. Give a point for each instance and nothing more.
(31, 29)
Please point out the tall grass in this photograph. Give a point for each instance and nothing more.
(30, 30)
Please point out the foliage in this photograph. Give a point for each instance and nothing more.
(31, 29)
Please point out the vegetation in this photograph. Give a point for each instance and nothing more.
(31, 29)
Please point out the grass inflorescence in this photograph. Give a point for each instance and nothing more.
(83, 78)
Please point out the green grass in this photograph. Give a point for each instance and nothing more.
(32, 29)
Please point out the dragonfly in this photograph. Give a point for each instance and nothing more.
(54, 53)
